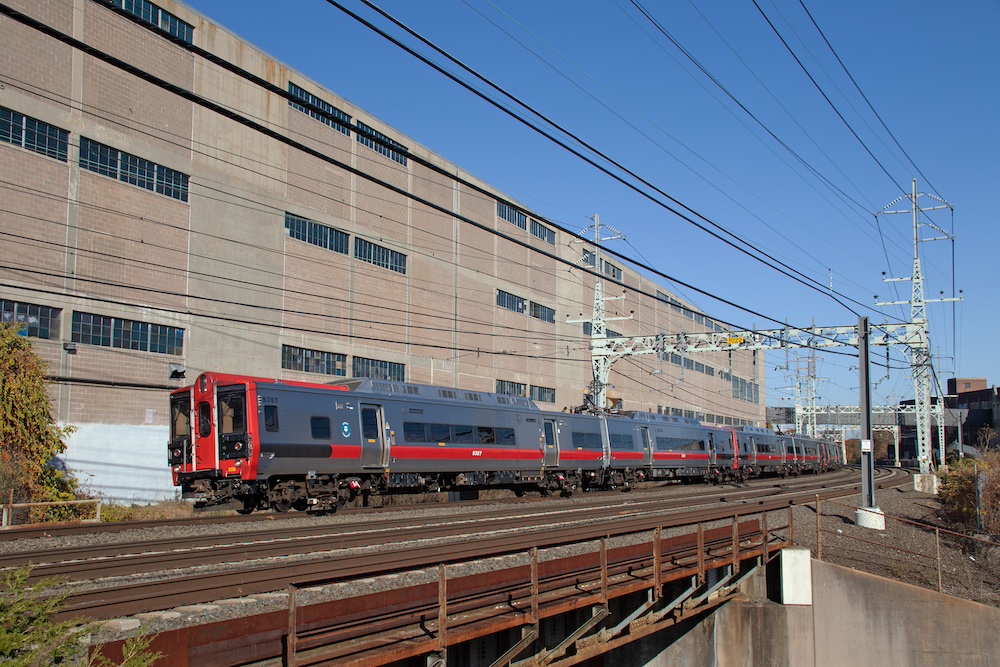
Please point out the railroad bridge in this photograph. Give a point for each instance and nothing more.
(724, 587)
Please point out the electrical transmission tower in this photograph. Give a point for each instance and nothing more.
(919, 345)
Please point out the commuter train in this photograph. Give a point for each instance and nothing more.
(262, 443)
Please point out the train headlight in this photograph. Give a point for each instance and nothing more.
(177, 452)
(177, 468)
(238, 446)
(239, 463)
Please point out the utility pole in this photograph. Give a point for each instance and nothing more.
(869, 516)
(919, 343)
(601, 360)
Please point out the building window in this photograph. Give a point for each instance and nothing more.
(379, 256)
(124, 334)
(510, 301)
(543, 232)
(508, 388)
(322, 111)
(512, 215)
(378, 370)
(315, 233)
(158, 18)
(313, 361)
(543, 394)
(611, 270)
(589, 258)
(27, 132)
(42, 321)
(544, 313)
(380, 143)
(123, 166)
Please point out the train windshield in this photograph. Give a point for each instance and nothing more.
(180, 417)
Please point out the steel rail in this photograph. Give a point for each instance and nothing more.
(89, 562)
(127, 557)
(256, 578)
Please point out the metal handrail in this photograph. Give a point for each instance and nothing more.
(7, 514)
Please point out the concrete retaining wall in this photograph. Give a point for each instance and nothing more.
(855, 620)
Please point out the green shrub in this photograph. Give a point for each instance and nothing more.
(29, 638)
(958, 492)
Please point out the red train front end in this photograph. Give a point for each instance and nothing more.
(211, 450)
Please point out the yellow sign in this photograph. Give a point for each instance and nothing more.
(735, 340)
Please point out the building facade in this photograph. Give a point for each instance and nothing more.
(176, 200)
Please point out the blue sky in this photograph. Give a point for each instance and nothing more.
(608, 74)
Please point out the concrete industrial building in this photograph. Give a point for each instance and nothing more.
(175, 201)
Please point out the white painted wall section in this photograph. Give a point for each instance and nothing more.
(121, 463)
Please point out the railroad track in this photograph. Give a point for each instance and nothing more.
(136, 557)
(392, 548)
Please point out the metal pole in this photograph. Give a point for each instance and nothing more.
(867, 457)
(290, 646)
(819, 533)
(937, 534)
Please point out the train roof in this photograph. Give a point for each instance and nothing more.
(654, 417)
(430, 392)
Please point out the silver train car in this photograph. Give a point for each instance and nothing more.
(282, 444)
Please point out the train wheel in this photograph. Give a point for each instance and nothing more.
(281, 506)
(248, 506)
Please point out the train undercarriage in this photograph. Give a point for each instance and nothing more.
(325, 493)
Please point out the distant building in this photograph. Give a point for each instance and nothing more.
(982, 404)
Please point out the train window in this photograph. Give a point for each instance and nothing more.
(232, 414)
(464, 434)
(271, 418)
(587, 440)
(505, 436)
(414, 432)
(369, 423)
(550, 434)
(320, 427)
(204, 419)
(680, 444)
(181, 418)
(486, 435)
(439, 433)
(622, 441)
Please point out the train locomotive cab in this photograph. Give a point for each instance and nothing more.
(211, 449)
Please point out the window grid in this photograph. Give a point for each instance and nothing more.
(313, 361)
(379, 256)
(42, 321)
(511, 301)
(111, 162)
(322, 111)
(158, 18)
(91, 329)
(543, 394)
(543, 232)
(34, 135)
(317, 234)
(544, 313)
(512, 215)
(367, 136)
(508, 388)
(378, 370)
(612, 271)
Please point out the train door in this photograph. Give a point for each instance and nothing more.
(753, 450)
(550, 444)
(647, 446)
(712, 453)
(232, 434)
(374, 450)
